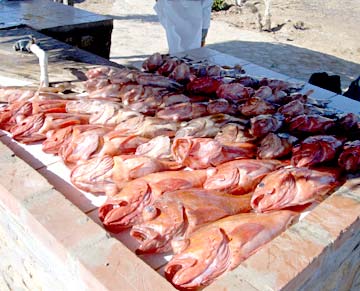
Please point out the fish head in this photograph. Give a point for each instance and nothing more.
(161, 222)
(124, 209)
(223, 179)
(274, 190)
(194, 266)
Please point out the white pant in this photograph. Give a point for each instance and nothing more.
(183, 21)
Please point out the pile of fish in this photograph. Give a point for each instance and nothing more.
(199, 159)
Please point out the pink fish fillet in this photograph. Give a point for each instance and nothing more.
(221, 246)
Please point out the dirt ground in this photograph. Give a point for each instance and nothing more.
(330, 26)
(307, 36)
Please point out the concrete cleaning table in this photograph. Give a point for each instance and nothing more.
(52, 237)
(77, 27)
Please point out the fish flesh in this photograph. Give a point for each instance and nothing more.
(179, 213)
(233, 133)
(182, 111)
(255, 106)
(221, 246)
(292, 186)
(203, 85)
(239, 176)
(124, 209)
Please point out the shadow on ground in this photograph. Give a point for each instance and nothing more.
(290, 60)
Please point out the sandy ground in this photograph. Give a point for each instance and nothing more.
(307, 36)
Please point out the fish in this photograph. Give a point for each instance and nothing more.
(315, 150)
(90, 106)
(221, 246)
(116, 143)
(181, 73)
(55, 121)
(234, 132)
(123, 210)
(94, 175)
(26, 131)
(153, 62)
(179, 213)
(12, 94)
(349, 158)
(263, 124)
(292, 109)
(86, 141)
(276, 145)
(14, 113)
(256, 106)
(157, 147)
(233, 92)
(130, 167)
(148, 126)
(203, 85)
(49, 106)
(201, 153)
(310, 124)
(206, 126)
(168, 66)
(112, 116)
(239, 176)
(182, 111)
(292, 186)
(221, 105)
(157, 81)
(56, 138)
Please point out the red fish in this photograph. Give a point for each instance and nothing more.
(123, 209)
(255, 106)
(27, 130)
(116, 143)
(314, 150)
(130, 167)
(263, 124)
(234, 132)
(349, 158)
(183, 111)
(153, 62)
(239, 176)
(94, 175)
(201, 153)
(291, 187)
(203, 85)
(86, 141)
(310, 124)
(276, 145)
(55, 139)
(179, 213)
(233, 92)
(14, 113)
(221, 246)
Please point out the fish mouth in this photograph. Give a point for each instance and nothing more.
(118, 215)
(148, 239)
(189, 273)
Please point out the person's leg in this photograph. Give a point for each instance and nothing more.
(182, 21)
(206, 17)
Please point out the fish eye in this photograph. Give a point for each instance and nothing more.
(261, 184)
